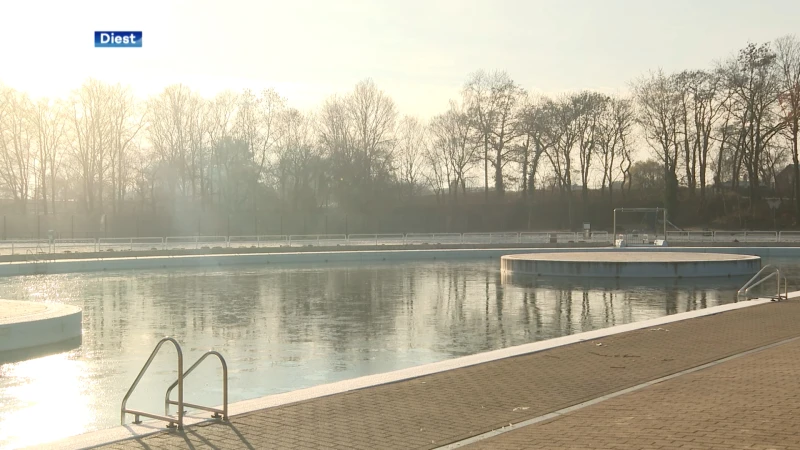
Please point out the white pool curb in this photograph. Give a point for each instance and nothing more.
(110, 435)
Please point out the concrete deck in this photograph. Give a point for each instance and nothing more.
(746, 402)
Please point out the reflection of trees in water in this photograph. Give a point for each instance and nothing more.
(340, 306)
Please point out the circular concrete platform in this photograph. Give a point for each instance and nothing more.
(622, 264)
(26, 325)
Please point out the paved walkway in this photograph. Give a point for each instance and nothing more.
(737, 398)
(751, 402)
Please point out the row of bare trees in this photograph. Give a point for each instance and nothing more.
(736, 122)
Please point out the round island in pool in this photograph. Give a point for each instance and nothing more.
(621, 264)
(26, 325)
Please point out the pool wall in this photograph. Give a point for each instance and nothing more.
(57, 323)
(186, 261)
(614, 264)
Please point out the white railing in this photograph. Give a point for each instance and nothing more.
(599, 236)
(534, 237)
(33, 246)
(130, 244)
(789, 236)
(447, 238)
(74, 245)
(24, 246)
(317, 240)
(419, 238)
(180, 242)
(564, 237)
(690, 236)
(376, 239)
(263, 241)
(194, 242)
(733, 236)
(212, 241)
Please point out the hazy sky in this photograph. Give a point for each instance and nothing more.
(420, 52)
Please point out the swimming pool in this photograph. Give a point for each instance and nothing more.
(283, 328)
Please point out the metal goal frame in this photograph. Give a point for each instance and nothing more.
(641, 210)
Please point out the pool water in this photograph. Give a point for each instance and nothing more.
(283, 328)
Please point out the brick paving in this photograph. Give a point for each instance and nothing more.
(435, 410)
(747, 403)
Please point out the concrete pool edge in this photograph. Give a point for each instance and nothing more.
(354, 256)
(133, 431)
(32, 326)
(616, 264)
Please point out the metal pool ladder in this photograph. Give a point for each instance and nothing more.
(774, 272)
(172, 421)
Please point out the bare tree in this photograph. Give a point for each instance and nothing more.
(702, 101)
(561, 132)
(126, 120)
(411, 136)
(298, 156)
(49, 121)
(219, 119)
(452, 135)
(478, 98)
(16, 144)
(754, 85)
(358, 135)
(613, 138)
(659, 115)
(532, 145)
(169, 118)
(788, 60)
(256, 123)
(588, 108)
(90, 139)
(374, 118)
(494, 102)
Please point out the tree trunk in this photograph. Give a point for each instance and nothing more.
(486, 167)
(498, 174)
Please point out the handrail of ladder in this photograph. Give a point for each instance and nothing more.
(776, 272)
(218, 413)
(172, 421)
